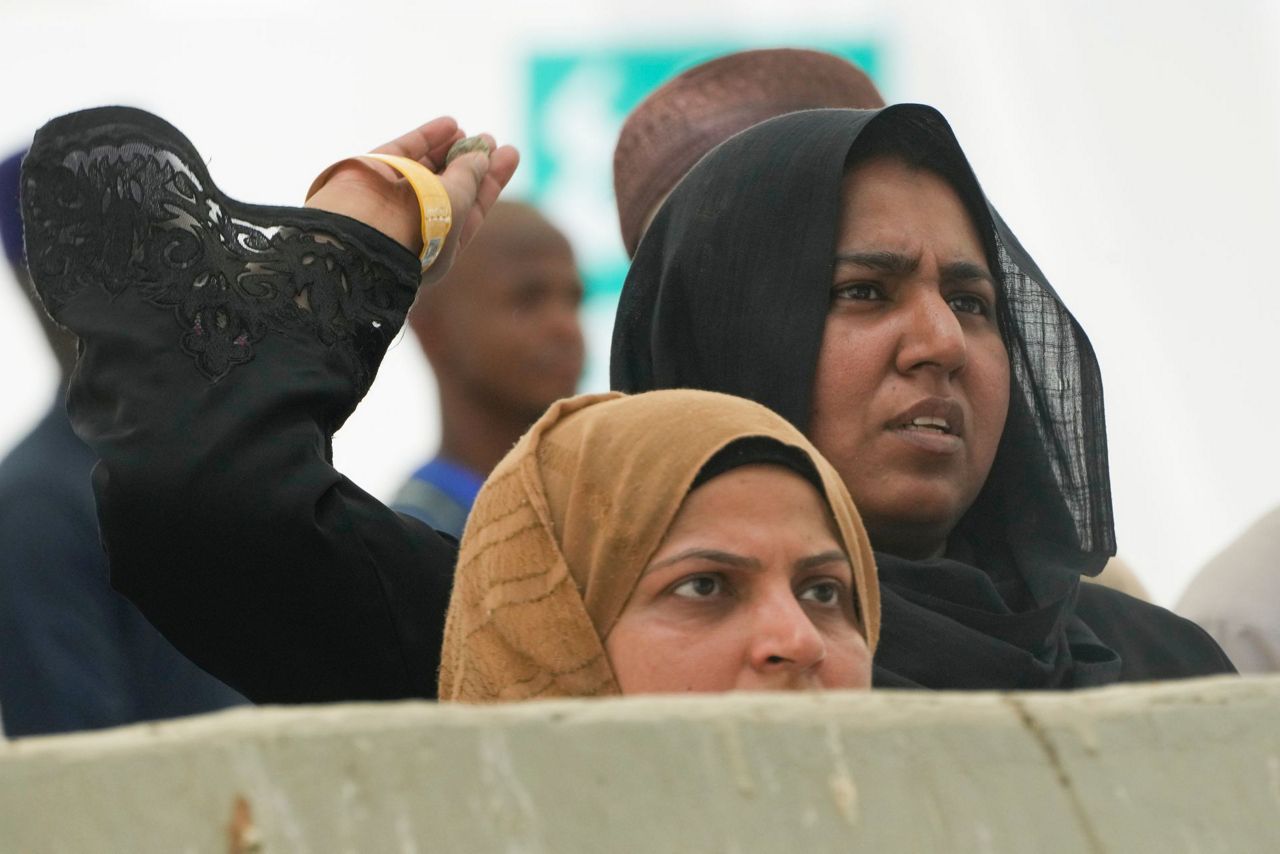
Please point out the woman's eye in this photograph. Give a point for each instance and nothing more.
(699, 587)
(968, 304)
(822, 592)
(859, 291)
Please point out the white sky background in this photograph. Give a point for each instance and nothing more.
(1134, 147)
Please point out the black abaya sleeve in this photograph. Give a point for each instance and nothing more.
(221, 345)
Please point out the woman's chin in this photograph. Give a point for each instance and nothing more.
(916, 526)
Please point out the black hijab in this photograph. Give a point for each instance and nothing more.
(729, 291)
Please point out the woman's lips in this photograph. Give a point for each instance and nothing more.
(930, 439)
(934, 424)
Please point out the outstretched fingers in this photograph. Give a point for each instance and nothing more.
(491, 182)
(502, 165)
(428, 143)
(473, 182)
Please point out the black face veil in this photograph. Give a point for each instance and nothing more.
(729, 291)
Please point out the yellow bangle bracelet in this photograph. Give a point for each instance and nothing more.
(435, 212)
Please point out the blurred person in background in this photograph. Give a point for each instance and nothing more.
(1236, 597)
(74, 654)
(502, 335)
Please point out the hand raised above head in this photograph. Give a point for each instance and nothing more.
(378, 196)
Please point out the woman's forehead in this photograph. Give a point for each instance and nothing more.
(892, 212)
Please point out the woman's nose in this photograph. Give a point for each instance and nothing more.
(932, 337)
(784, 637)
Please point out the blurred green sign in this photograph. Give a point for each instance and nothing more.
(577, 102)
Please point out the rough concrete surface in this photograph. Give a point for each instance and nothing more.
(1174, 767)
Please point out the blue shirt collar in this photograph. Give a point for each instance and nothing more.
(454, 480)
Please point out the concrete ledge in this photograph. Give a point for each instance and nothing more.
(1192, 766)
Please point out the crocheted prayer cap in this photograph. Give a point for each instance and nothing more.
(698, 109)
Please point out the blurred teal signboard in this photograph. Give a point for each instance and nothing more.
(577, 102)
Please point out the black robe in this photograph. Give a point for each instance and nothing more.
(210, 396)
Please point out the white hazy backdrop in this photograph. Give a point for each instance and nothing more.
(1133, 146)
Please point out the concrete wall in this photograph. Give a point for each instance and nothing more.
(1173, 767)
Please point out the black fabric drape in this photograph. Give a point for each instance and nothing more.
(221, 345)
(729, 291)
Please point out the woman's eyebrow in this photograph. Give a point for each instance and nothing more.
(965, 271)
(897, 264)
(882, 261)
(814, 561)
(716, 555)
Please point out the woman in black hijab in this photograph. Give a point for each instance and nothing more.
(844, 268)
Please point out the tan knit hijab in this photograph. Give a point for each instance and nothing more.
(566, 523)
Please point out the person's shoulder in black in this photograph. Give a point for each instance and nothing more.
(1153, 643)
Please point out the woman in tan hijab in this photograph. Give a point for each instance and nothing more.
(671, 541)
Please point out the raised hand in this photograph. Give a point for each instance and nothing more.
(375, 194)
